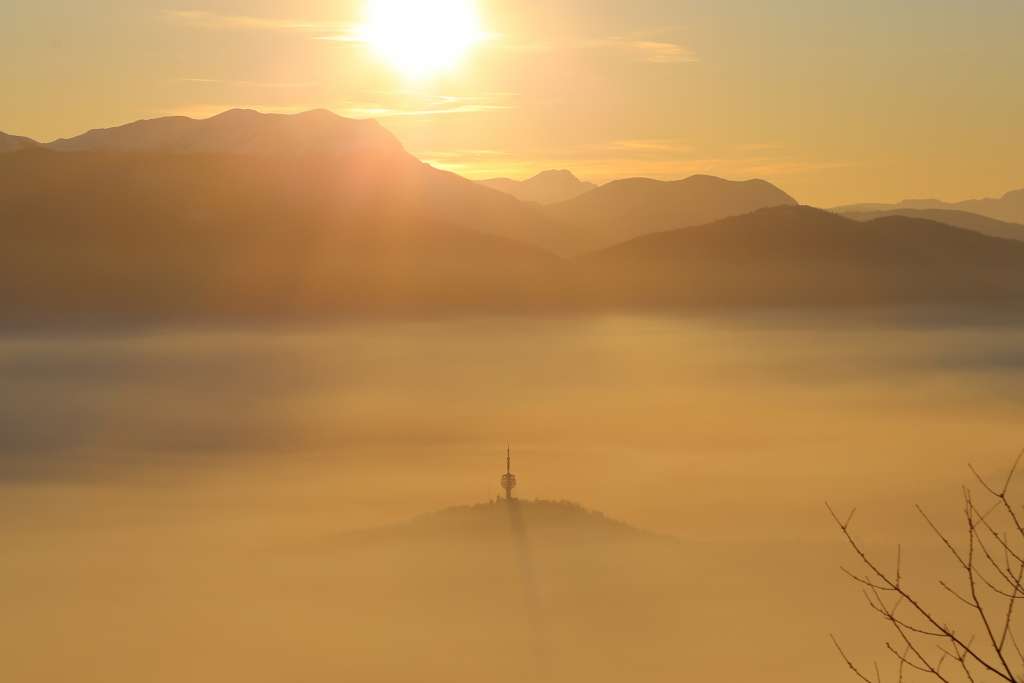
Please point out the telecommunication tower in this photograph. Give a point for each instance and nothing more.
(508, 480)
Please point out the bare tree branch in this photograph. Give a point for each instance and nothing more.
(990, 563)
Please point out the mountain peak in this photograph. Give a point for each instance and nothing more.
(556, 174)
(547, 187)
(627, 208)
(237, 113)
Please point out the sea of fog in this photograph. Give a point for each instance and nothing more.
(171, 499)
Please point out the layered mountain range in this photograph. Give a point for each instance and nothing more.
(960, 219)
(1008, 208)
(250, 214)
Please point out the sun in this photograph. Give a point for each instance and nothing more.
(421, 38)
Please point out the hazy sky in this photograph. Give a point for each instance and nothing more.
(835, 101)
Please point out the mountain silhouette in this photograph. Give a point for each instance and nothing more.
(1008, 208)
(959, 219)
(547, 187)
(13, 143)
(314, 215)
(114, 233)
(368, 153)
(797, 255)
(625, 209)
(598, 218)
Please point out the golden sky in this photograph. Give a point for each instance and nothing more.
(835, 101)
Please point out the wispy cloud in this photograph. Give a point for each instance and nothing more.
(387, 105)
(650, 47)
(659, 146)
(650, 51)
(214, 21)
(248, 84)
(758, 146)
(402, 104)
(665, 160)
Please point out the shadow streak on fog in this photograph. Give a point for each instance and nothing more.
(517, 526)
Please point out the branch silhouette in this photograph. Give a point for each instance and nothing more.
(979, 644)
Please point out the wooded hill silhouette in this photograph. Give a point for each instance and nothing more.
(546, 187)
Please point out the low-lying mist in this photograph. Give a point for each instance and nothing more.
(247, 504)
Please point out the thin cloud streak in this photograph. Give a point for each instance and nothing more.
(634, 47)
(375, 112)
(652, 145)
(214, 21)
(401, 104)
(248, 84)
(650, 51)
(439, 105)
(616, 161)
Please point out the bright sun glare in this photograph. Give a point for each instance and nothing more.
(421, 37)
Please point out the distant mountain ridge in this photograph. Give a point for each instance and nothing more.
(547, 187)
(249, 214)
(959, 219)
(1009, 207)
(594, 218)
(624, 209)
(797, 255)
(239, 131)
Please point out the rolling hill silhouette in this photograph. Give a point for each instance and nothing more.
(547, 187)
(625, 209)
(796, 255)
(959, 219)
(1009, 207)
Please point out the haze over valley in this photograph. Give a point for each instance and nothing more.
(395, 341)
